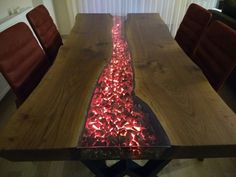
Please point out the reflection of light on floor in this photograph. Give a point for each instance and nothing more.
(112, 118)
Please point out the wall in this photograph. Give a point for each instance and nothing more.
(171, 11)
(5, 5)
(62, 15)
(50, 6)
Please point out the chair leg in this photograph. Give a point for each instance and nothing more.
(200, 159)
(18, 103)
(126, 167)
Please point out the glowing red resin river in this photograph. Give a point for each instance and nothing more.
(113, 119)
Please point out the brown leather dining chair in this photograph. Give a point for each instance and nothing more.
(216, 53)
(22, 61)
(192, 27)
(45, 30)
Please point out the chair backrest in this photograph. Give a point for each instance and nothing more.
(22, 61)
(216, 53)
(192, 27)
(46, 31)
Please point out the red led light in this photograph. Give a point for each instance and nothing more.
(113, 119)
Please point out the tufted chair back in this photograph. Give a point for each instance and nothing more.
(45, 30)
(216, 53)
(22, 61)
(192, 27)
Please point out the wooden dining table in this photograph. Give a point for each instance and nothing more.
(191, 118)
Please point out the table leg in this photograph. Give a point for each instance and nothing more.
(126, 167)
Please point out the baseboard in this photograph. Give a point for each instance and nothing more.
(4, 92)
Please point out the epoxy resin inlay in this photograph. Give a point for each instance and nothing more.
(113, 117)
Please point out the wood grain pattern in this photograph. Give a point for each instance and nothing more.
(54, 114)
(190, 111)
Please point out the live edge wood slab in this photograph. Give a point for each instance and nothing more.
(195, 118)
(52, 118)
(49, 124)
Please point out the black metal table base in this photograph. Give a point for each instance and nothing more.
(126, 167)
